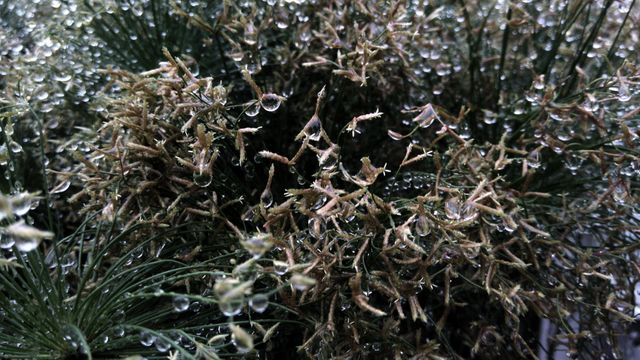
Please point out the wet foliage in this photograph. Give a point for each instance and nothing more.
(302, 179)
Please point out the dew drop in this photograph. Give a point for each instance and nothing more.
(236, 55)
(533, 159)
(202, 178)
(6, 241)
(518, 109)
(452, 208)
(538, 83)
(259, 303)
(231, 307)
(301, 282)
(4, 155)
(281, 18)
(590, 104)
(437, 89)
(62, 187)
(147, 338)
(219, 95)
(42, 95)
(620, 193)
(422, 226)
(573, 162)
(623, 92)
(266, 198)
(319, 203)
(280, 267)
(180, 303)
(253, 109)
(15, 147)
(118, 331)
(21, 203)
(8, 128)
(314, 129)
(257, 244)
(270, 102)
(490, 117)
(64, 78)
(250, 34)
(137, 9)
(241, 340)
(162, 345)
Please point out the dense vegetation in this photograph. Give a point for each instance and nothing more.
(323, 179)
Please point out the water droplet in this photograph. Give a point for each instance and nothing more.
(573, 162)
(518, 108)
(437, 89)
(4, 155)
(509, 226)
(236, 55)
(63, 78)
(490, 117)
(253, 109)
(623, 92)
(231, 307)
(319, 203)
(219, 95)
(8, 128)
(314, 129)
(241, 339)
(280, 267)
(21, 203)
(266, 198)
(452, 208)
(42, 95)
(119, 315)
(147, 338)
(317, 227)
(259, 303)
(442, 69)
(15, 147)
(180, 303)
(301, 282)
(162, 345)
(118, 331)
(620, 193)
(270, 102)
(202, 178)
(538, 83)
(590, 103)
(281, 18)
(533, 159)
(250, 34)
(62, 187)
(257, 244)
(6, 241)
(422, 226)
(137, 8)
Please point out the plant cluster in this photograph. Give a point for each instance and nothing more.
(349, 179)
